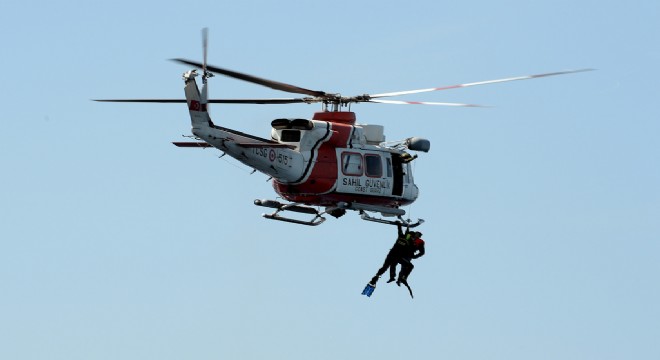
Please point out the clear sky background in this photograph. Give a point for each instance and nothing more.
(542, 212)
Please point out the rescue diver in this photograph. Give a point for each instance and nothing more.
(408, 246)
(416, 250)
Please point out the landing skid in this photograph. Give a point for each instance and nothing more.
(407, 223)
(335, 211)
(317, 220)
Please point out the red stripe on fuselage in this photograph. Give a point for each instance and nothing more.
(323, 176)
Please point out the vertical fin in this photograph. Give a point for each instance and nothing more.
(199, 115)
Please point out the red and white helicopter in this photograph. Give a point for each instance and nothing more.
(324, 165)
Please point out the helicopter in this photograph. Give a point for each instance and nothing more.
(324, 165)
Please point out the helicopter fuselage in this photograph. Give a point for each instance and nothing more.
(328, 160)
(322, 161)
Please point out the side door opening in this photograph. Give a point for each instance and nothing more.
(397, 181)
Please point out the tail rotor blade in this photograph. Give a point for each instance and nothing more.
(205, 46)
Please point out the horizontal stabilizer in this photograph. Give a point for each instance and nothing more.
(192, 144)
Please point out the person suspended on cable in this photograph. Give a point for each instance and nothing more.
(415, 250)
(400, 253)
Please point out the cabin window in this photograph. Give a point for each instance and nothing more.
(374, 165)
(389, 168)
(290, 136)
(351, 163)
(406, 173)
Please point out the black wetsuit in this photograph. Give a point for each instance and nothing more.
(400, 253)
(414, 251)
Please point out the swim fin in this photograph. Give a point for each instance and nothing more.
(369, 289)
(404, 282)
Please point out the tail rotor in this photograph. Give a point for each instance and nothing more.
(206, 74)
(205, 49)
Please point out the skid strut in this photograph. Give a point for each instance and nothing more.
(385, 211)
(317, 220)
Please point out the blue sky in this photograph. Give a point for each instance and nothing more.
(543, 231)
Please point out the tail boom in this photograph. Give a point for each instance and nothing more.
(277, 160)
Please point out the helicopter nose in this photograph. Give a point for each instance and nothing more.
(414, 193)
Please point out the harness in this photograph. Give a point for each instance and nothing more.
(405, 240)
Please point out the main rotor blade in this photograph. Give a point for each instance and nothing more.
(397, 93)
(253, 79)
(215, 101)
(260, 101)
(397, 102)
